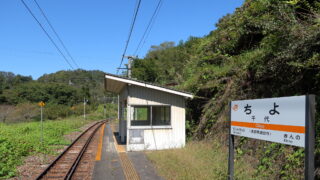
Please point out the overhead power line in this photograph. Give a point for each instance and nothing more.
(55, 32)
(130, 32)
(50, 38)
(134, 11)
(149, 26)
(148, 33)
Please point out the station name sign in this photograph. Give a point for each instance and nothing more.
(281, 120)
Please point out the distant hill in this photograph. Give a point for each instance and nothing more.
(90, 81)
(77, 77)
(15, 89)
(9, 79)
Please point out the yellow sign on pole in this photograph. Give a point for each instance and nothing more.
(41, 104)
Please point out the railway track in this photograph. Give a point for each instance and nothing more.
(66, 165)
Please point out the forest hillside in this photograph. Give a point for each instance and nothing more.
(266, 48)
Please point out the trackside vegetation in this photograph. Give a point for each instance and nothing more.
(198, 160)
(63, 93)
(19, 140)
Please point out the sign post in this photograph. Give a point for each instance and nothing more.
(41, 104)
(310, 138)
(231, 152)
(286, 120)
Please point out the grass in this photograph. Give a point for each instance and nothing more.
(20, 140)
(198, 160)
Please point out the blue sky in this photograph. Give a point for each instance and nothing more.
(95, 31)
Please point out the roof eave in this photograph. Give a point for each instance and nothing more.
(142, 84)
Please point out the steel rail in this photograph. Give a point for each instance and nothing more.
(77, 161)
(66, 150)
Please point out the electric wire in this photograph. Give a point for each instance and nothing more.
(55, 32)
(50, 38)
(148, 33)
(130, 33)
(134, 11)
(149, 26)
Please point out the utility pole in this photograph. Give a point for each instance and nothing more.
(130, 60)
(129, 67)
(84, 108)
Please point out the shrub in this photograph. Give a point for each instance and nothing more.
(5, 110)
(55, 111)
(23, 112)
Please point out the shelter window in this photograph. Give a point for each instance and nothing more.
(151, 115)
(141, 116)
(160, 115)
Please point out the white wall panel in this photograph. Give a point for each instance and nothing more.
(156, 138)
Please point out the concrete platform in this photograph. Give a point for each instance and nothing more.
(113, 162)
(109, 167)
(143, 166)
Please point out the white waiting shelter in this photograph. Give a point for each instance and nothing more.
(151, 117)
